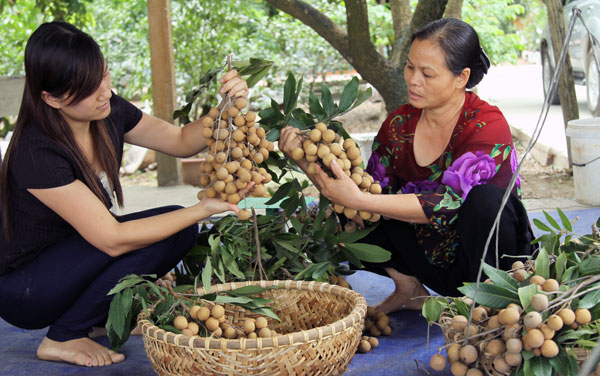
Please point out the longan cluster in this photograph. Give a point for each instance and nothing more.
(237, 146)
(377, 323)
(339, 280)
(367, 344)
(322, 146)
(215, 322)
(501, 335)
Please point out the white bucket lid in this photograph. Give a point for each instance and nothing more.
(584, 128)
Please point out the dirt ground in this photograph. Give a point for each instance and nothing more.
(538, 181)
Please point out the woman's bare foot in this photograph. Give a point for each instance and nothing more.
(100, 331)
(408, 295)
(80, 351)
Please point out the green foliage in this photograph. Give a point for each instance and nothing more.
(134, 293)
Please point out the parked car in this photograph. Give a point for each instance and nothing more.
(585, 68)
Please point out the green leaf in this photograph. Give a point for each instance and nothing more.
(462, 307)
(590, 299)
(542, 264)
(232, 299)
(560, 363)
(289, 94)
(348, 94)
(265, 311)
(320, 269)
(540, 366)
(249, 290)
(368, 252)
(569, 273)
(433, 308)
(362, 96)
(552, 221)
(560, 265)
(207, 275)
(351, 237)
(282, 192)
(128, 281)
(570, 334)
(500, 277)
(287, 245)
(489, 295)
(327, 99)
(525, 295)
(590, 266)
(541, 225)
(117, 315)
(565, 221)
(315, 106)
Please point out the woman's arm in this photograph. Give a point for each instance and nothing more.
(157, 134)
(77, 205)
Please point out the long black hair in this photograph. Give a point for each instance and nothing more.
(65, 62)
(460, 44)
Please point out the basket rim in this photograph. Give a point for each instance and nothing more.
(356, 316)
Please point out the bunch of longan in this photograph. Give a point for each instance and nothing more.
(377, 323)
(237, 147)
(215, 322)
(501, 335)
(322, 146)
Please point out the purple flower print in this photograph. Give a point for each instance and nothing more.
(468, 171)
(420, 186)
(377, 170)
(514, 164)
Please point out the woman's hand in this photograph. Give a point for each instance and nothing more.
(289, 140)
(215, 205)
(340, 189)
(234, 85)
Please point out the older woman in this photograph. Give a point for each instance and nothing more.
(444, 160)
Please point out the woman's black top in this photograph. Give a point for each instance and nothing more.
(38, 162)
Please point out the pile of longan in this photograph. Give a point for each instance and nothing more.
(215, 322)
(508, 331)
(237, 146)
(322, 146)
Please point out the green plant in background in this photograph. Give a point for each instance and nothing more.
(573, 262)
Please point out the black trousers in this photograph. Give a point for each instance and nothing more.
(477, 215)
(66, 286)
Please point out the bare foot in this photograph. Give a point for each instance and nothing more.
(80, 351)
(100, 331)
(408, 295)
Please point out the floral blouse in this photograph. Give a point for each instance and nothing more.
(480, 151)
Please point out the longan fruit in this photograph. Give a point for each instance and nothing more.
(373, 341)
(312, 168)
(473, 330)
(583, 316)
(258, 158)
(459, 369)
(550, 285)
(338, 208)
(193, 327)
(230, 333)
(375, 188)
(297, 154)
(537, 279)
(539, 302)
(336, 149)
(210, 192)
(474, 372)
(517, 265)
(532, 320)
(348, 143)
(468, 354)
(534, 338)
(238, 135)
(310, 148)
(252, 335)
(549, 349)
(187, 332)
(233, 111)
(353, 152)
(233, 198)
(493, 322)
(519, 275)
(261, 322)
(217, 311)
(438, 362)
(241, 103)
(323, 150)
(315, 135)
(212, 324)
(514, 345)
(244, 215)
(328, 135)
(500, 365)
(356, 178)
(260, 132)
(350, 213)
(547, 332)
(555, 322)
(217, 332)
(508, 316)
(321, 126)
(203, 314)
(479, 314)
(249, 326)
(180, 322)
(207, 132)
(237, 153)
(250, 116)
(356, 162)
(495, 347)
(311, 158)
(453, 352)
(374, 331)
(459, 322)
(264, 152)
(567, 316)
(260, 190)
(364, 346)
(513, 359)
(194, 311)
(220, 157)
(264, 333)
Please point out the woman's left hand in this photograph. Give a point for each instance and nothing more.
(234, 85)
(341, 189)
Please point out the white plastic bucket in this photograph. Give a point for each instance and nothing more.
(584, 135)
(365, 143)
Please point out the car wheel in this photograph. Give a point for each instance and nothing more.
(592, 84)
(547, 74)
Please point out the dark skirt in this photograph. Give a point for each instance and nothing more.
(476, 217)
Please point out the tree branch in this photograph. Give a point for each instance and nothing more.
(323, 25)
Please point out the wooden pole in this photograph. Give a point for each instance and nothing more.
(163, 82)
(566, 84)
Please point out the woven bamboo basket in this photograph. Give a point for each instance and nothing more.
(321, 326)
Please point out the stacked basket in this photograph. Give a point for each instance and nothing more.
(322, 326)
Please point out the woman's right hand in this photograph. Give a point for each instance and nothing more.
(289, 140)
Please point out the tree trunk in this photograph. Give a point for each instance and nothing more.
(354, 44)
(454, 9)
(566, 85)
(163, 82)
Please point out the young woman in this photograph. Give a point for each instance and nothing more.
(61, 248)
(445, 159)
